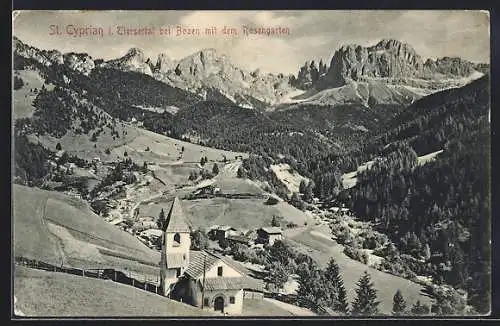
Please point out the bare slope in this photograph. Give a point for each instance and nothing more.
(22, 98)
(55, 228)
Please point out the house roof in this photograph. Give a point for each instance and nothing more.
(175, 260)
(196, 261)
(152, 232)
(233, 283)
(176, 218)
(239, 238)
(272, 230)
(225, 228)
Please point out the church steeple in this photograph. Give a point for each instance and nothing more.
(175, 246)
(176, 218)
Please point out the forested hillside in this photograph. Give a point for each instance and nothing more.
(443, 204)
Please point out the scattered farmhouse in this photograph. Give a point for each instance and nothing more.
(200, 278)
(241, 239)
(207, 190)
(222, 232)
(268, 235)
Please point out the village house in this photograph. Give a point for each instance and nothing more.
(200, 278)
(207, 190)
(241, 239)
(223, 231)
(268, 235)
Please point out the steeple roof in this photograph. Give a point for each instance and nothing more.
(176, 218)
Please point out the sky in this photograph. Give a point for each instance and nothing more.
(313, 34)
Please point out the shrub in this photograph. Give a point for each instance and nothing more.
(272, 201)
(18, 82)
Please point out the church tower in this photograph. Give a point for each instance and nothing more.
(176, 243)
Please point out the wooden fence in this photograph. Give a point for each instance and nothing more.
(101, 273)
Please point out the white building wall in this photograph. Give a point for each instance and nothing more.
(169, 276)
(227, 271)
(235, 308)
(273, 238)
(171, 246)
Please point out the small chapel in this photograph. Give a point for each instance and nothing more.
(200, 278)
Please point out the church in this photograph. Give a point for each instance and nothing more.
(200, 278)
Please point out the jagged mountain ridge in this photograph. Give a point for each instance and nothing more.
(391, 65)
(390, 59)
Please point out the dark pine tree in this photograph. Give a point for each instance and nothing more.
(335, 284)
(215, 169)
(366, 297)
(419, 309)
(398, 304)
(275, 222)
(160, 222)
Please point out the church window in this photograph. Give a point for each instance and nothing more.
(206, 302)
(219, 271)
(232, 300)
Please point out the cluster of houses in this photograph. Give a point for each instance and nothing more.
(263, 235)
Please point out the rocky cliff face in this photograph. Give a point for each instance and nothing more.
(388, 58)
(450, 67)
(133, 60)
(163, 64)
(81, 62)
(208, 72)
(45, 57)
(214, 77)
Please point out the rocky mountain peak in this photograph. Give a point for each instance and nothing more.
(135, 52)
(163, 63)
(133, 60)
(81, 62)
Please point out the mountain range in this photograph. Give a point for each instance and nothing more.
(390, 72)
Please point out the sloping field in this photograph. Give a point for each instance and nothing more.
(31, 237)
(262, 307)
(83, 147)
(291, 180)
(349, 179)
(52, 227)
(164, 149)
(240, 213)
(49, 294)
(238, 186)
(428, 157)
(322, 249)
(22, 98)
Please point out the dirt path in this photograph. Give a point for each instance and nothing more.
(54, 238)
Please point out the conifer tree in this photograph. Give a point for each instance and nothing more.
(275, 222)
(161, 220)
(419, 309)
(335, 284)
(398, 303)
(215, 169)
(366, 297)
